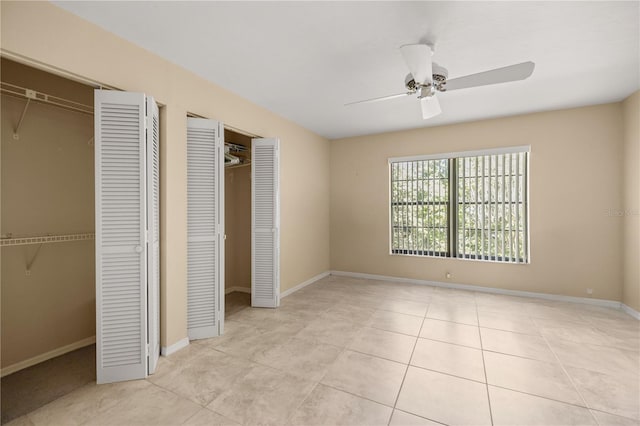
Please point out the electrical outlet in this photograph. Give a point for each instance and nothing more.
(448, 275)
(589, 291)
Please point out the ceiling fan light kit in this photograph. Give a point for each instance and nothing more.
(426, 78)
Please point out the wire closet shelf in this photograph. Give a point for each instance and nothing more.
(44, 239)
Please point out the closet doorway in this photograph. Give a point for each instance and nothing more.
(237, 211)
(47, 246)
(252, 209)
(233, 224)
(79, 282)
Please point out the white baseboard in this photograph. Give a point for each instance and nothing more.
(628, 309)
(304, 284)
(238, 289)
(168, 350)
(546, 296)
(47, 355)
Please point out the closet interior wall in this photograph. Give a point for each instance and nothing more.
(237, 202)
(47, 188)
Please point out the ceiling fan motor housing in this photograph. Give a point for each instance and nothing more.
(438, 81)
(410, 83)
(440, 75)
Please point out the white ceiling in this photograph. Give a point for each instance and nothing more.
(305, 60)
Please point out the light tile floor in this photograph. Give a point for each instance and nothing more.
(350, 351)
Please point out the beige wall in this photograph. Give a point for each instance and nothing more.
(41, 32)
(47, 188)
(631, 201)
(238, 227)
(574, 179)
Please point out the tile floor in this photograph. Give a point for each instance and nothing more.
(348, 351)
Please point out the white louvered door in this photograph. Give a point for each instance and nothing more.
(121, 267)
(205, 190)
(265, 224)
(153, 226)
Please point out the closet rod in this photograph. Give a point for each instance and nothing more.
(34, 95)
(44, 239)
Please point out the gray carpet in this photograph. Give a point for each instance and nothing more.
(235, 302)
(31, 388)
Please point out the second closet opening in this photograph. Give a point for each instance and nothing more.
(237, 206)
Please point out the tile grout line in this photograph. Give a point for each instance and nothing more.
(318, 382)
(564, 370)
(356, 395)
(612, 414)
(422, 417)
(484, 365)
(390, 331)
(377, 356)
(179, 396)
(455, 322)
(294, 410)
(407, 368)
(547, 398)
(448, 374)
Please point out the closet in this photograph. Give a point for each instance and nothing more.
(47, 214)
(48, 230)
(237, 197)
(251, 221)
(80, 232)
(233, 223)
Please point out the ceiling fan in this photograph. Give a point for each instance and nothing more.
(426, 78)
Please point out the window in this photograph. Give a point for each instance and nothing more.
(468, 205)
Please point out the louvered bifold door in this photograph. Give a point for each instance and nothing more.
(205, 190)
(265, 224)
(121, 255)
(153, 232)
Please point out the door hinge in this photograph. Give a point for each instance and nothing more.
(147, 350)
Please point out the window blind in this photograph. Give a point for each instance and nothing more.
(470, 205)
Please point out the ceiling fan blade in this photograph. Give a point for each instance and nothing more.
(383, 98)
(498, 75)
(418, 60)
(430, 107)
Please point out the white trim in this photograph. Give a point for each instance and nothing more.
(305, 283)
(168, 350)
(16, 57)
(546, 296)
(477, 153)
(629, 310)
(238, 289)
(47, 355)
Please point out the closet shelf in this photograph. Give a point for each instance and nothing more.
(45, 239)
(34, 95)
